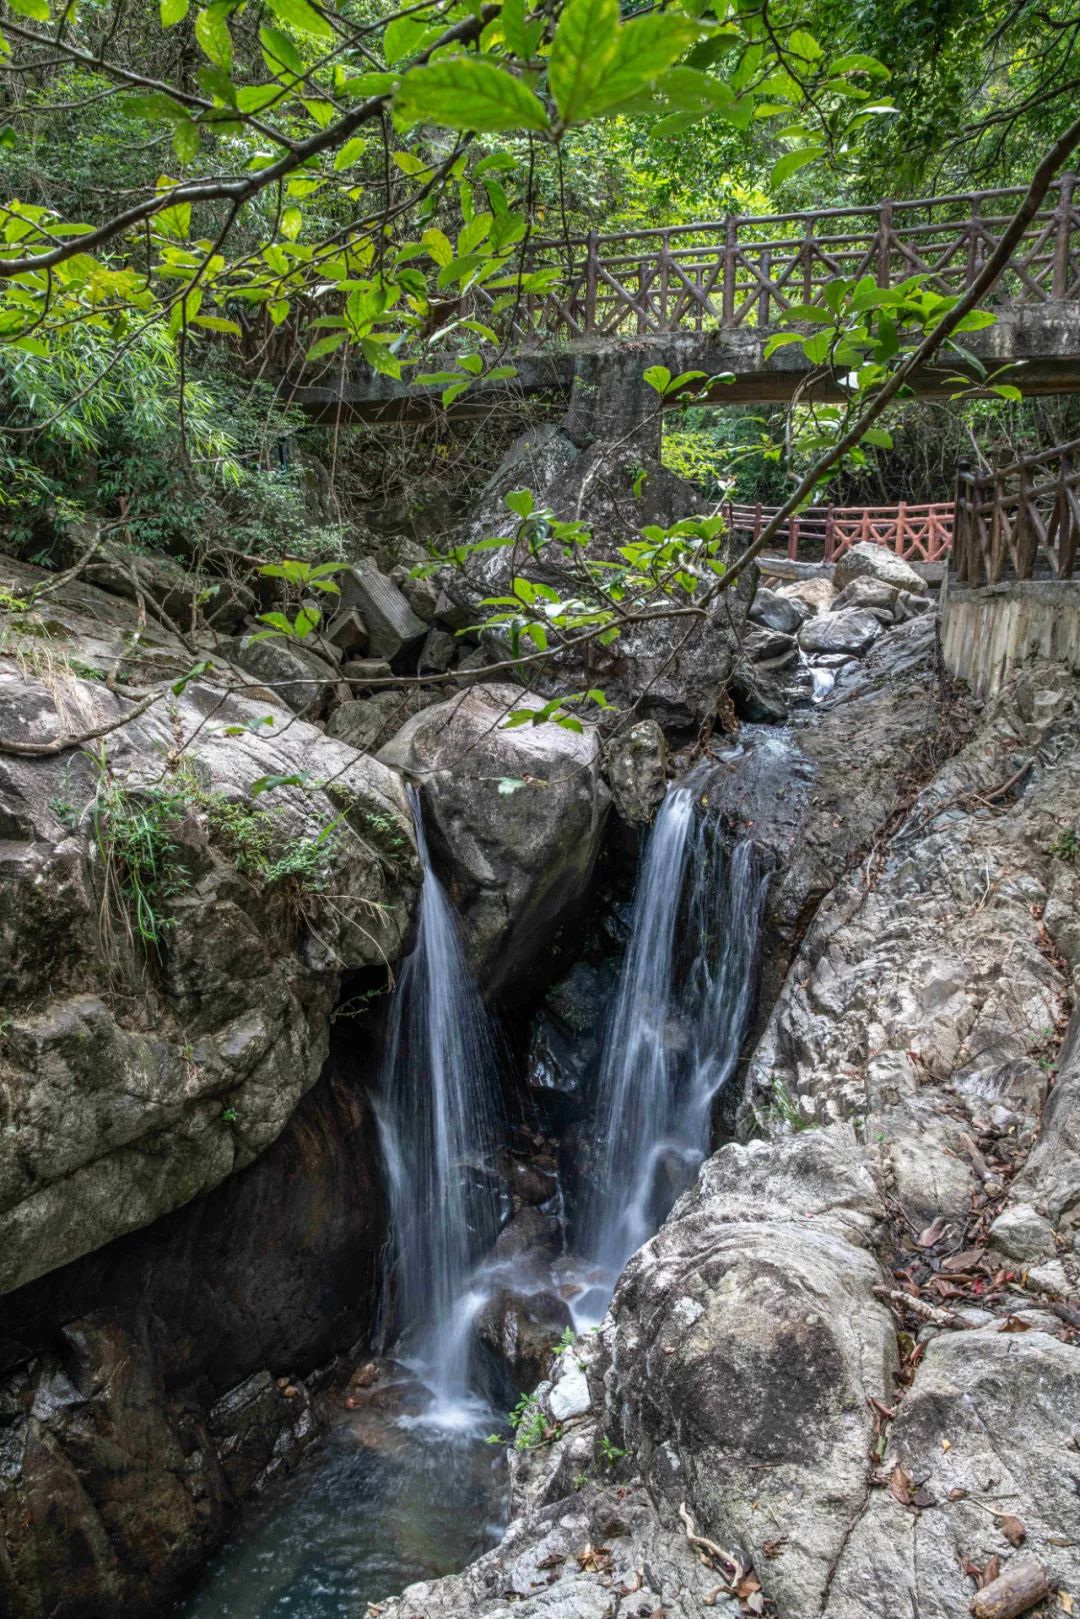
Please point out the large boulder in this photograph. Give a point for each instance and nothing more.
(672, 669)
(775, 612)
(868, 561)
(744, 1348)
(636, 767)
(393, 628)
(190, 962)
(515, 818)
(850, 630)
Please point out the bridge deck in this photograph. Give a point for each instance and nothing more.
(707, 296)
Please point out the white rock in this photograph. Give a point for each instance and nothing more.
(570, 1397)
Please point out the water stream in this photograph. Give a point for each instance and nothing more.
(409, 1489)
(684, 1002)
(439, 1119)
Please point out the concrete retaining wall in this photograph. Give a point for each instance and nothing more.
(987, 633)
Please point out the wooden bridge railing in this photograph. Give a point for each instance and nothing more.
(1021, 521)
(748, 271)
(916, 533)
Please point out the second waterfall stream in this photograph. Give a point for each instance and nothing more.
(683, 1006)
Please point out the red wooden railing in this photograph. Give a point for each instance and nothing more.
(916, 533)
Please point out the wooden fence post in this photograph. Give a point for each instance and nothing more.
(901, 520)
(961, 535)
(731, 245)
(830, 538)
(793, 538)
(763, 304)
(884, 268)
(591, 277)
(1060, 286)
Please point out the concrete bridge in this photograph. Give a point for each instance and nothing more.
(707, 297)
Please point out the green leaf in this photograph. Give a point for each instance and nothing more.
(1007, 390)
(521, 502)
(291, 221)
(406, 37)
(522, 37)
(645, 49)
(173, 11)
(212, 33)
(585, 44)
(464, 93)
(186, 140)
(175, 220)
(800, 43)
(326, 345)
(438, 246)
(306, 620)
(193, 673)
(878, 436)
(301, 15)
(38, 10)
(858, 62)
(658, 377)
(265, 784)
(280, 52)
(215, 323)
(792, 162)
(507, 786)
(380, 359)
(350, 153)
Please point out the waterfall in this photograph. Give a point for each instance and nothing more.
(684, 1002)
(439, 1119)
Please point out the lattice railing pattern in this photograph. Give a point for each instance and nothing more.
(916, 533)
(1021, 521)
(749, 271)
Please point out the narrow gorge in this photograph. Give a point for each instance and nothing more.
(306, 1191)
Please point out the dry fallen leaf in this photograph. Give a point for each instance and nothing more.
(551, 1560)
(900, 1485)
(595, 1559)
(932, 1234)
(957, 1495)
(964, 1261)
(1065, 1602)
(1013, 1323)
(1012, 1529)
(773, 1548)
(924, 1498)
(991, 1572)
(946, 1445)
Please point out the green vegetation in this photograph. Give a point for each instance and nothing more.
(1067, 846)
(136, 835)
(529, 1424)
(199, 198)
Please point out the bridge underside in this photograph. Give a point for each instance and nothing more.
(1039, 342)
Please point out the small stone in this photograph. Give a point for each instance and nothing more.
(570, 1397)
(1050, 1278)
(1022, 1234)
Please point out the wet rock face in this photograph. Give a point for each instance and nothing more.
(515, 818)
(673, 678)
(151, 1074)
(524, 1329)
(139, 1387)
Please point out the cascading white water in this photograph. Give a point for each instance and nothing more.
(440, 1123)
(684, 1002)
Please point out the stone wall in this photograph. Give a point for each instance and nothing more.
(988, 633)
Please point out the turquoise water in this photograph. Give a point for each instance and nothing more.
(357, 1522)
